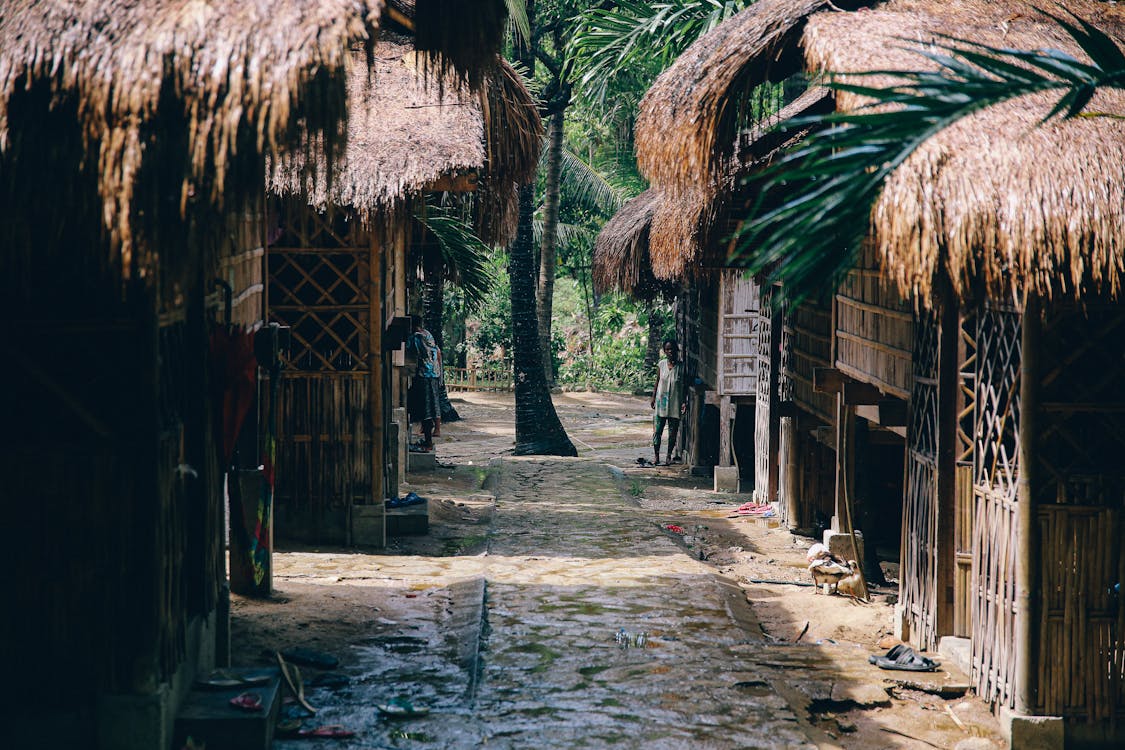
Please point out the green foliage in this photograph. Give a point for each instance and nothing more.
(824, 190)
(627, 46)
(465, 255)
(490, 329)
(636, 489)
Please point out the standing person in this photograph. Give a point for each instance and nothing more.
(668, 400)
(423, 400)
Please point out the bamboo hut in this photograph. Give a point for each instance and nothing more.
(133, 142)
(340, 268)
(988, 293)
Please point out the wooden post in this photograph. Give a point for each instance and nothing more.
(726, 416)
(845, 462)
(1027, 558)
(947, 395)
(789, 486)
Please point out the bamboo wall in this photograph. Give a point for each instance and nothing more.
(874, 330)
(809, 329)
(1079, 485)
(765, 399)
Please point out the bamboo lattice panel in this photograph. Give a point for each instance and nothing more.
(995, 541)
(319, 285)
(919, 578)
(762, 415)
(874, 329)
(738, 334)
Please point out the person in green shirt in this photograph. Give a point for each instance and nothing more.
(668, 402)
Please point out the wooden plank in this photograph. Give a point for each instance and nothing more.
(878, 309)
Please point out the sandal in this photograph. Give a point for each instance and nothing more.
(400, 708)
(906, 659)
(292, 677)
(247, 701)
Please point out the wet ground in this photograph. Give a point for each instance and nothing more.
(550, 608)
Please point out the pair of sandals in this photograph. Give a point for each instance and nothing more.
(904, 658)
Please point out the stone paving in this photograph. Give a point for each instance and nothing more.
(579, 624)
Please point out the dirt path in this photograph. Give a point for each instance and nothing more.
(517, 619)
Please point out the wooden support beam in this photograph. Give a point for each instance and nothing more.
(1027, 553)
(887, 412)
(726, 427)
(855, 393)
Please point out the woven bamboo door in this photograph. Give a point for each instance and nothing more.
(995, 471)
(319, 286)
(920, 514)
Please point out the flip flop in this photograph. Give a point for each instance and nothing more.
(903, 658)
(400, 708)
(292, 677)
(247, 702)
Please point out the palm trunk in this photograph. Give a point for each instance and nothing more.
(547, 250)
(538, 429)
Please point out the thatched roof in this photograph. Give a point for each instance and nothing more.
(403, 135)
(1000, 200)
(690, 227)
(621, 260)
(689, 120)
(202, 87)
(407, 129)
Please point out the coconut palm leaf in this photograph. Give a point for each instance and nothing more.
(465, 255)
(816, 202)
(638, 39)
(588, 185)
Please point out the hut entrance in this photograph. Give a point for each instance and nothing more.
(321, 272)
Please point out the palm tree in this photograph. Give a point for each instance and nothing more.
(538, 428)
(824, 190)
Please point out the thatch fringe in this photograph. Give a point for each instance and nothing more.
(621, 260)
(403, 134)
(514, 133)
(689, 120)
(690, 232)
(460, 36)
(218, 77)
(1009, 207)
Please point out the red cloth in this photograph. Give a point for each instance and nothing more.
(234, 378)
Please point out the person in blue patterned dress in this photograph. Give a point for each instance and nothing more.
(423, 400)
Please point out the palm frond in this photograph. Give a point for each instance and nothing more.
(518, 25)
(640, 39)
(465, 255)
(567, 236)
(815, 203)
(587, 185)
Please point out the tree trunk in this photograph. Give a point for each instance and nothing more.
(547, 251)
(538, 429)
(433, 313)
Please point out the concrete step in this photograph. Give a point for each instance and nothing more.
(411, 520)
(208, 718)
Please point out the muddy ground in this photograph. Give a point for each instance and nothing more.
(332, 599)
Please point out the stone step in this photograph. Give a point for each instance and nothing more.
(208, 718)
(410, 520)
